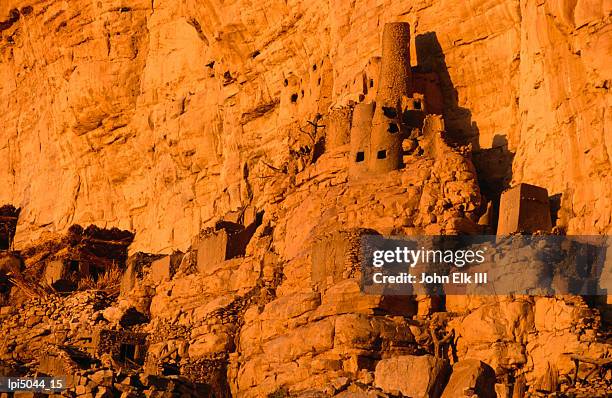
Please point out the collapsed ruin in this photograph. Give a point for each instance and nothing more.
(86, 253)
(128, 348)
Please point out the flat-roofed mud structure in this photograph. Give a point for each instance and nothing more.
(335, 257)
(64, 360)
(524, 208)
(225, 241)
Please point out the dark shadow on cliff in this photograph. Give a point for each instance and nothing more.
(9, 215)
(493, 165)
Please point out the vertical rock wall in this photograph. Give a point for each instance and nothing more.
(160, 116)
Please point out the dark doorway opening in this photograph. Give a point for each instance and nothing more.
(127, 352)
(389, 112)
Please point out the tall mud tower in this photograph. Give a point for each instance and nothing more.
(361, 128)
(395, 83)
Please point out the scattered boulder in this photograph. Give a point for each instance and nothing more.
(103, 377)
(112, 314)
(413, 376)
(473, 375)
(55, 271)
(549, 381)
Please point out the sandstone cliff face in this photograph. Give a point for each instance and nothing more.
(160, 116)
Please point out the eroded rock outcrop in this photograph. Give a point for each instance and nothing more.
(157, 118)
(229, 137)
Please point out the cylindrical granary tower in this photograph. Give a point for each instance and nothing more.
(338, 128)
(361, 127)
(394, 82)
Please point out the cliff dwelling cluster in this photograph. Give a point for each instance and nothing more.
(266, 301)
(379, 128)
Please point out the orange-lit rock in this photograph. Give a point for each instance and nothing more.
(171, 119)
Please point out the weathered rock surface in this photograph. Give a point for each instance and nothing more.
(175, 120)
(413, 376)
(471, 375)
(160, 116)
